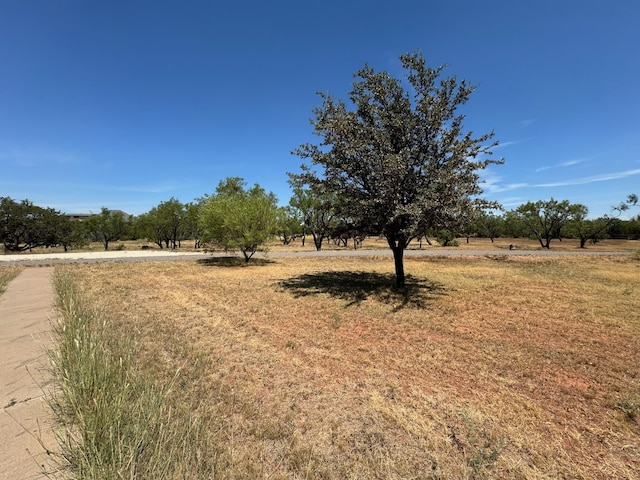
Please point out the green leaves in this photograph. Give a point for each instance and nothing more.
(399, 162)
(24, 225)
(235, 218)
(107, 226)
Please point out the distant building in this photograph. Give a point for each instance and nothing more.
(79, 217)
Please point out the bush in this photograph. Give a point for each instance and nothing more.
(447, 239)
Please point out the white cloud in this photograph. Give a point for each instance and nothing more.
(525, 123)
(492, 183)
(596, 178)
(506, 144)
(35, 157)
(77, 186)
(568, 163)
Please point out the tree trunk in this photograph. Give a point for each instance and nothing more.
(317, 240)
(398, 253)
(248, 252)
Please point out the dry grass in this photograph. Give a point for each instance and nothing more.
(317, 368)
(6, 275)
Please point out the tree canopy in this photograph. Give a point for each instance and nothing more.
(107, 226)
(236, 218)
(24, 226)
(165, 224)
(399, 161)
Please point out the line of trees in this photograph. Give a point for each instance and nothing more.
(237, 218)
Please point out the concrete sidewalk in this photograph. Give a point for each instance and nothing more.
(26, 311)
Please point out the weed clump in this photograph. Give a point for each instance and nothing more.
(115, 421)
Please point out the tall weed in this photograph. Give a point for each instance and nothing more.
(116, 422)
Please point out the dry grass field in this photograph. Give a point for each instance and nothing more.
(316, 368)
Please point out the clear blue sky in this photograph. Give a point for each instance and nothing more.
(126, 103)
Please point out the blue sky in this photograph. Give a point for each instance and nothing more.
(126, 103)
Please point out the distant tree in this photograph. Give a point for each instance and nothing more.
(345, 229)
(446, 238)
(585, 229)
(235, 218)
(24, 226)
(630, 229)
(316, 209)
(192, 228)
(107, 226)
(545, 219)
(165, 223)
(399, 162)
(289, 224)
(70, 233)
(488, 225)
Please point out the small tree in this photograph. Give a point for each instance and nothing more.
(192, 227)
(235, 218)
(595, 230)
(489, 225)
(107, 226)
(70, 233)
(399, 161)
(316, 209)
(165, 223)
(289, 224)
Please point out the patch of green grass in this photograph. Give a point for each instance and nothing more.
(630, 405)
(481, 448)
(116, 422)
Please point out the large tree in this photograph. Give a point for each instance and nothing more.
(399, 162)
(24, 226)
(235, 218)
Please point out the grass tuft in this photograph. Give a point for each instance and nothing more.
(6, 275)
(630, 406)
(116, 422)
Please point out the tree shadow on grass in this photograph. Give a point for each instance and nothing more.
(356, 287)
(234, 262)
